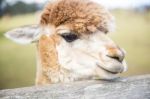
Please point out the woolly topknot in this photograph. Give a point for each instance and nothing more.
(80, 16)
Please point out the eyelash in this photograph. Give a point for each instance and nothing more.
(69, 37)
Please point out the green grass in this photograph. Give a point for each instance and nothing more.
(18, 62)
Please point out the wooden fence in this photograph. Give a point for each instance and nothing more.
(122, 88)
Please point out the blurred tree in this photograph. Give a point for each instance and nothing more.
(2, 2)
(6, 8)
(20, 8)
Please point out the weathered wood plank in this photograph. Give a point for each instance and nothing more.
(121, 88)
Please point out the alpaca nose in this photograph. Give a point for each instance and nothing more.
(116, 53)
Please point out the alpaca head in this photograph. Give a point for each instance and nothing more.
(73, 35)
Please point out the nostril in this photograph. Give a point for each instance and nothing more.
(116, 58)
(115, 53)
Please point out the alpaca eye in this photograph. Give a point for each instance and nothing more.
(69, 37)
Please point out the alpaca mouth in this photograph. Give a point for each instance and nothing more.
(107, 70)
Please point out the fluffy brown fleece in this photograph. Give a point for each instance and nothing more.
(48, 59)
(81, 16)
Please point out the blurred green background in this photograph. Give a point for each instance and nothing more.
(18, 62)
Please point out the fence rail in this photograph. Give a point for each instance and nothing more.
(122, 88)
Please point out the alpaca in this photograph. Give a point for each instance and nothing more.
(72, 43)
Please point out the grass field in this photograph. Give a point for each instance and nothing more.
(18, 65)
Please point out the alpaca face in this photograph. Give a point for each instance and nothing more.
(84, 47)
(88, 56)
(93, 56)
(72, 42)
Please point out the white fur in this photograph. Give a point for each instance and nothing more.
(82, 56)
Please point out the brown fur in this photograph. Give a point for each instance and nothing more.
(81, 16)
(48, 57)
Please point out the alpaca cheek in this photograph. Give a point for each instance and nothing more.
(48, 55)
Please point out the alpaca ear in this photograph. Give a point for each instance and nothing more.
(25, 34)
